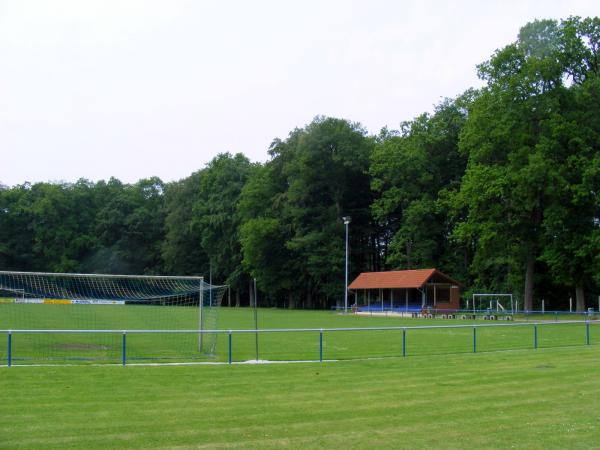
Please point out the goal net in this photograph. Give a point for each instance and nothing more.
(500, 303)
(69, 301)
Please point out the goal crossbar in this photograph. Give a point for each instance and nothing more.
(102, 275)
(80, 286)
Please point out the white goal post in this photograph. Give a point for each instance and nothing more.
(494, 302)
(159, 301)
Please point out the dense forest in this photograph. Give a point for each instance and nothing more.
(498, 187)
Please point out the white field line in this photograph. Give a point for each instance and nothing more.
(198, 363)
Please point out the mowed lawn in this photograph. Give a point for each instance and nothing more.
(83, 348)
(545, 398)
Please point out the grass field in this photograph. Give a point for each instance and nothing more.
(30, 348)
(518, 399)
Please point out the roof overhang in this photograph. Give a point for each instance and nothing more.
(398, 279)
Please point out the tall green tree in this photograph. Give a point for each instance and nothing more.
(264, 231)
(48, 226)
(16, 235)
(571, 226)
(216, 220)
(515, 144)
(328, 179)
(316, 176)
(182, 251)
(130, 228)
(409, 171)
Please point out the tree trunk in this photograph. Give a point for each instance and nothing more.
(237, 299)
(291, 301)
(250, 294)
(308, 303)
(529, 273)
(580, 299)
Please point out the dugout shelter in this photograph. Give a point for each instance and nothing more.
(406, 290)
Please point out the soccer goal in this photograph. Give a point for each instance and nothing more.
(493, 302)
(73, 301)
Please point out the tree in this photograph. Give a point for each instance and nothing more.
(316, 176)
(328, 179)
(515, 141)
(571, 226)
(16, 236)
(130, 228)
(48, 226)
(264, 231)
(216, 221)
(182, 251)
(409, 171)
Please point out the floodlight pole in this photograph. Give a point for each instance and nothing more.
(346, 220)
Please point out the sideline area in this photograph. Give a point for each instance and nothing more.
(525, 399)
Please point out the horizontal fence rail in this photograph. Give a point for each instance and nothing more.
(284, 330)
(113, 346)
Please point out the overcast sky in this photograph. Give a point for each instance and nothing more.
(132, 89)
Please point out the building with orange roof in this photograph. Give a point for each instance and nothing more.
(406, 290)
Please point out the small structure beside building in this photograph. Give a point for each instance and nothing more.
(406, 291)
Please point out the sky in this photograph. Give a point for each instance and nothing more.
(134, 89)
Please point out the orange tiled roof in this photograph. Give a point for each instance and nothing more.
(397, 279)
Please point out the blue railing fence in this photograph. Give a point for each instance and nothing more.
(55, 347)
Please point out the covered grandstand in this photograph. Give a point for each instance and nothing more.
(405, 291)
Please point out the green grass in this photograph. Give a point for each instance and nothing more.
(546, 398)
(31, 348)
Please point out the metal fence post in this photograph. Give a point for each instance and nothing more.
(404, 342)
(587, 333)
(229, 348)
(474, 339)
(321, 345)
(9, 356)
(124, 348)
(535, 336)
